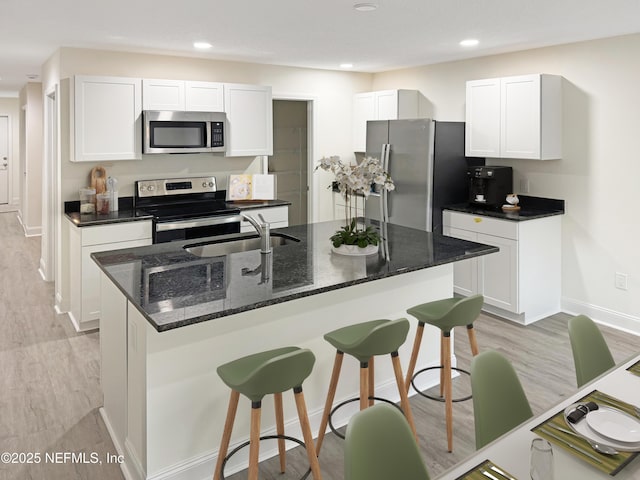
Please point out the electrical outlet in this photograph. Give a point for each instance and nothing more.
(524, 185)
(621, 281)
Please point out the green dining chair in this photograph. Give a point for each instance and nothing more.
(379, 445)
(591, 355)
(499, 402)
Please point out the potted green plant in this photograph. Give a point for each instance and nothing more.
(355, 182)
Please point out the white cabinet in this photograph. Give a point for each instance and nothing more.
(277, 217)
(180, 95)
(107, 121)
(381, 105)
(521, 282)
(249, 111)
(85, 274)
(514, 117)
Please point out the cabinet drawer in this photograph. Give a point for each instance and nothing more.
(481, 224)
(271, 214)
(120, 232)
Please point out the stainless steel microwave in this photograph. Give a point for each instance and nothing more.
(183, 132)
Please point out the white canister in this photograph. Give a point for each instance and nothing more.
(114, 200)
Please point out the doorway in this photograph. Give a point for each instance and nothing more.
(4, 160)
(290, 160)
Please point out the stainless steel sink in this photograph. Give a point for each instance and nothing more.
(245, 243)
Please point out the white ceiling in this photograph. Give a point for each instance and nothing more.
(317, 34)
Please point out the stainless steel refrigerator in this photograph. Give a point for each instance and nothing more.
(426, 161)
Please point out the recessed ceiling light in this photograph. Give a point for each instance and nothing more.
(346, 65)
(202, 45)
(32, 76)
(470, 42)
(365, 7)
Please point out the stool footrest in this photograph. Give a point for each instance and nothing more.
(439, 399)
(265, 437)
(351, 400)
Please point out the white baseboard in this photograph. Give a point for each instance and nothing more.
(29, 231)
(605, 316)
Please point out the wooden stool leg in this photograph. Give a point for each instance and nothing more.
(254, 438)
(303, 416)
(447, 391)
(364, 385)
(414, 355)
(277, 397)
(333, 384)
(404, 399)
(226, 434)
(442, 347)
(472, 339)
(372, 382)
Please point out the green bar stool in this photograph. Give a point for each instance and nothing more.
(254, 376)
(364, 341)
(444, 314)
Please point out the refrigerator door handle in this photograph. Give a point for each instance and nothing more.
(385, 194)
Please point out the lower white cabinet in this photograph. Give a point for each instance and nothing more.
(521, 282)
(277, 217)
(85, 274)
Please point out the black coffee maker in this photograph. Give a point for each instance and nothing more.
(489, 185)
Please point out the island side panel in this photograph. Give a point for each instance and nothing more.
(186, 401)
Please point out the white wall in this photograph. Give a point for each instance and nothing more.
(600, 170)
(10, 106)
(31, 140)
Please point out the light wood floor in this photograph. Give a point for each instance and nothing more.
(50, 390)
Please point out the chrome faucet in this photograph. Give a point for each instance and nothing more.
(262, 229)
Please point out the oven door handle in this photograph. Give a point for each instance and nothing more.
(200, 222)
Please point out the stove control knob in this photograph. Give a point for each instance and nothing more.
(151, 188)
(204, 184)
(210, 184)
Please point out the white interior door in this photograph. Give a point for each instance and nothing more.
(4, 160)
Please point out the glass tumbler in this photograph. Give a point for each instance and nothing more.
(541, 460)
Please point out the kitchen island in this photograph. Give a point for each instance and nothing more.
(170, 317)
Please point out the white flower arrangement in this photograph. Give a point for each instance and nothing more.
(356, 181)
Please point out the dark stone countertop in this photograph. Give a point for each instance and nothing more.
(126, 212)
(531, 208)
(173, 288)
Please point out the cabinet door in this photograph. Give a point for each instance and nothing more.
(107, 123)
(204, 97)
(249, 120)
(482, 132)
(386, 105)
(278, 217)
(498, 273)
(90, 288)
(363, 110)
(520, 127)
(465, 272)
(163, 94)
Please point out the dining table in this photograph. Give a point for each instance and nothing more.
(508, 457)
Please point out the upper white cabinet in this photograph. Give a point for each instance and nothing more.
(107, 119)
(514, 117)
(381, 105)
(249, 111)
(180, 95)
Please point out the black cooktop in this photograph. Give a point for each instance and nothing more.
(190, 210)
